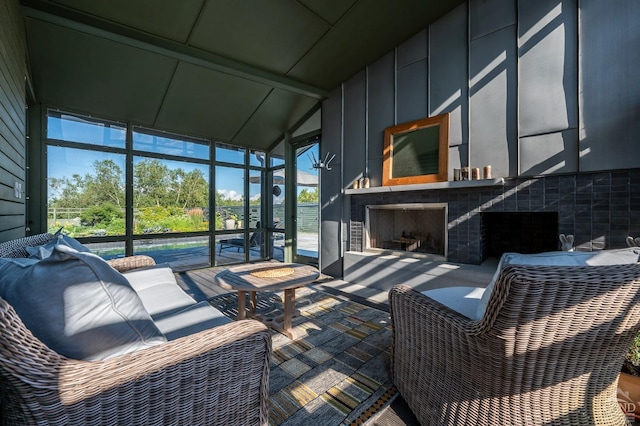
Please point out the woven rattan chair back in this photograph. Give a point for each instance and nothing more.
(548, 350)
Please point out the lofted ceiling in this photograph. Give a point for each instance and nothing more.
(237, 71)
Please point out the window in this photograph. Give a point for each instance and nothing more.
(124, 189)
(169, 196)
(74, 128)
(162, 143)
(86, 191)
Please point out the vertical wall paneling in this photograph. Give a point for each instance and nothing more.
(545, 87)
(366, 122)
(380, 95)
(492, 105)
(448, 80)
(549, 153)
(547, 54)
(488, 16)
(610, 89)
(412, 69)
(331, 202)
(12, 121)
(354, 126)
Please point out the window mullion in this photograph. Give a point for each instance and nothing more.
(129, 192)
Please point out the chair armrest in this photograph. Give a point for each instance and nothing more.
(432, 347)
(128, 263)
(405, 303)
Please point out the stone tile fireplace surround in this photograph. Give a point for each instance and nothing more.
(600, 209)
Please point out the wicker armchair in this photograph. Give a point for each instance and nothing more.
(216, 377)
(547, 351)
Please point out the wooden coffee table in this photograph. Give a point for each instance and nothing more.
(268, 276)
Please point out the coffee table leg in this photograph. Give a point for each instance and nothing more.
(289, 308)
(242, 305)
(253, 304)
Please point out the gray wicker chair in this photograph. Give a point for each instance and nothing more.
(547, 351)
(219, 376)
(216, 377)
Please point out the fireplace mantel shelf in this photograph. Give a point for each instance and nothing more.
(428, 186)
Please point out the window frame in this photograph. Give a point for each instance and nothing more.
(129, 238)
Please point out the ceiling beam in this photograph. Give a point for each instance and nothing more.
(77, 21)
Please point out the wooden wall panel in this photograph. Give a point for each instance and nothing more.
(12, 120)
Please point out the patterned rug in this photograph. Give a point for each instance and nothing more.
(337, 372)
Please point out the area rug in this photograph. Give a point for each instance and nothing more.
(337, 371)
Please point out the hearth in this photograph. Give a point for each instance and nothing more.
(412, 228)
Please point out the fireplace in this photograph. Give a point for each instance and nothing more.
(601, 209)
(521, 232)
(411, 228)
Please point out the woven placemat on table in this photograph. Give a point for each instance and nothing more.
(272, 272)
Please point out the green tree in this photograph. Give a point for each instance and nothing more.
(308, 196)
(151, 184)
(106, 185)
(68, 192)
(190, 189)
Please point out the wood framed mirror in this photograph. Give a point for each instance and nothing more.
(416, 152)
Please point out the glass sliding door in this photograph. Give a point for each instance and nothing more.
(307, 202)
(170, 189)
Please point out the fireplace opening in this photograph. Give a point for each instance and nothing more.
(521, 232)
(412, 228)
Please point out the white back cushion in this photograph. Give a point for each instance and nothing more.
(463, 300)
(559, 258)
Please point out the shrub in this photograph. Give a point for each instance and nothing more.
(103, 214)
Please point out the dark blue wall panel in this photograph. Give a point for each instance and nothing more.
(493, 135)
(610, 65)
(548, 66)
(413, 50)
(412, 92)
(488, 16)
(549, 153)
(448, 77)
(354, 154)
(380, 86)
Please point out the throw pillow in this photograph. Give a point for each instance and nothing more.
(70, 241)
(76, 304)
(17, 248)
(559, 258)
(44, 251)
